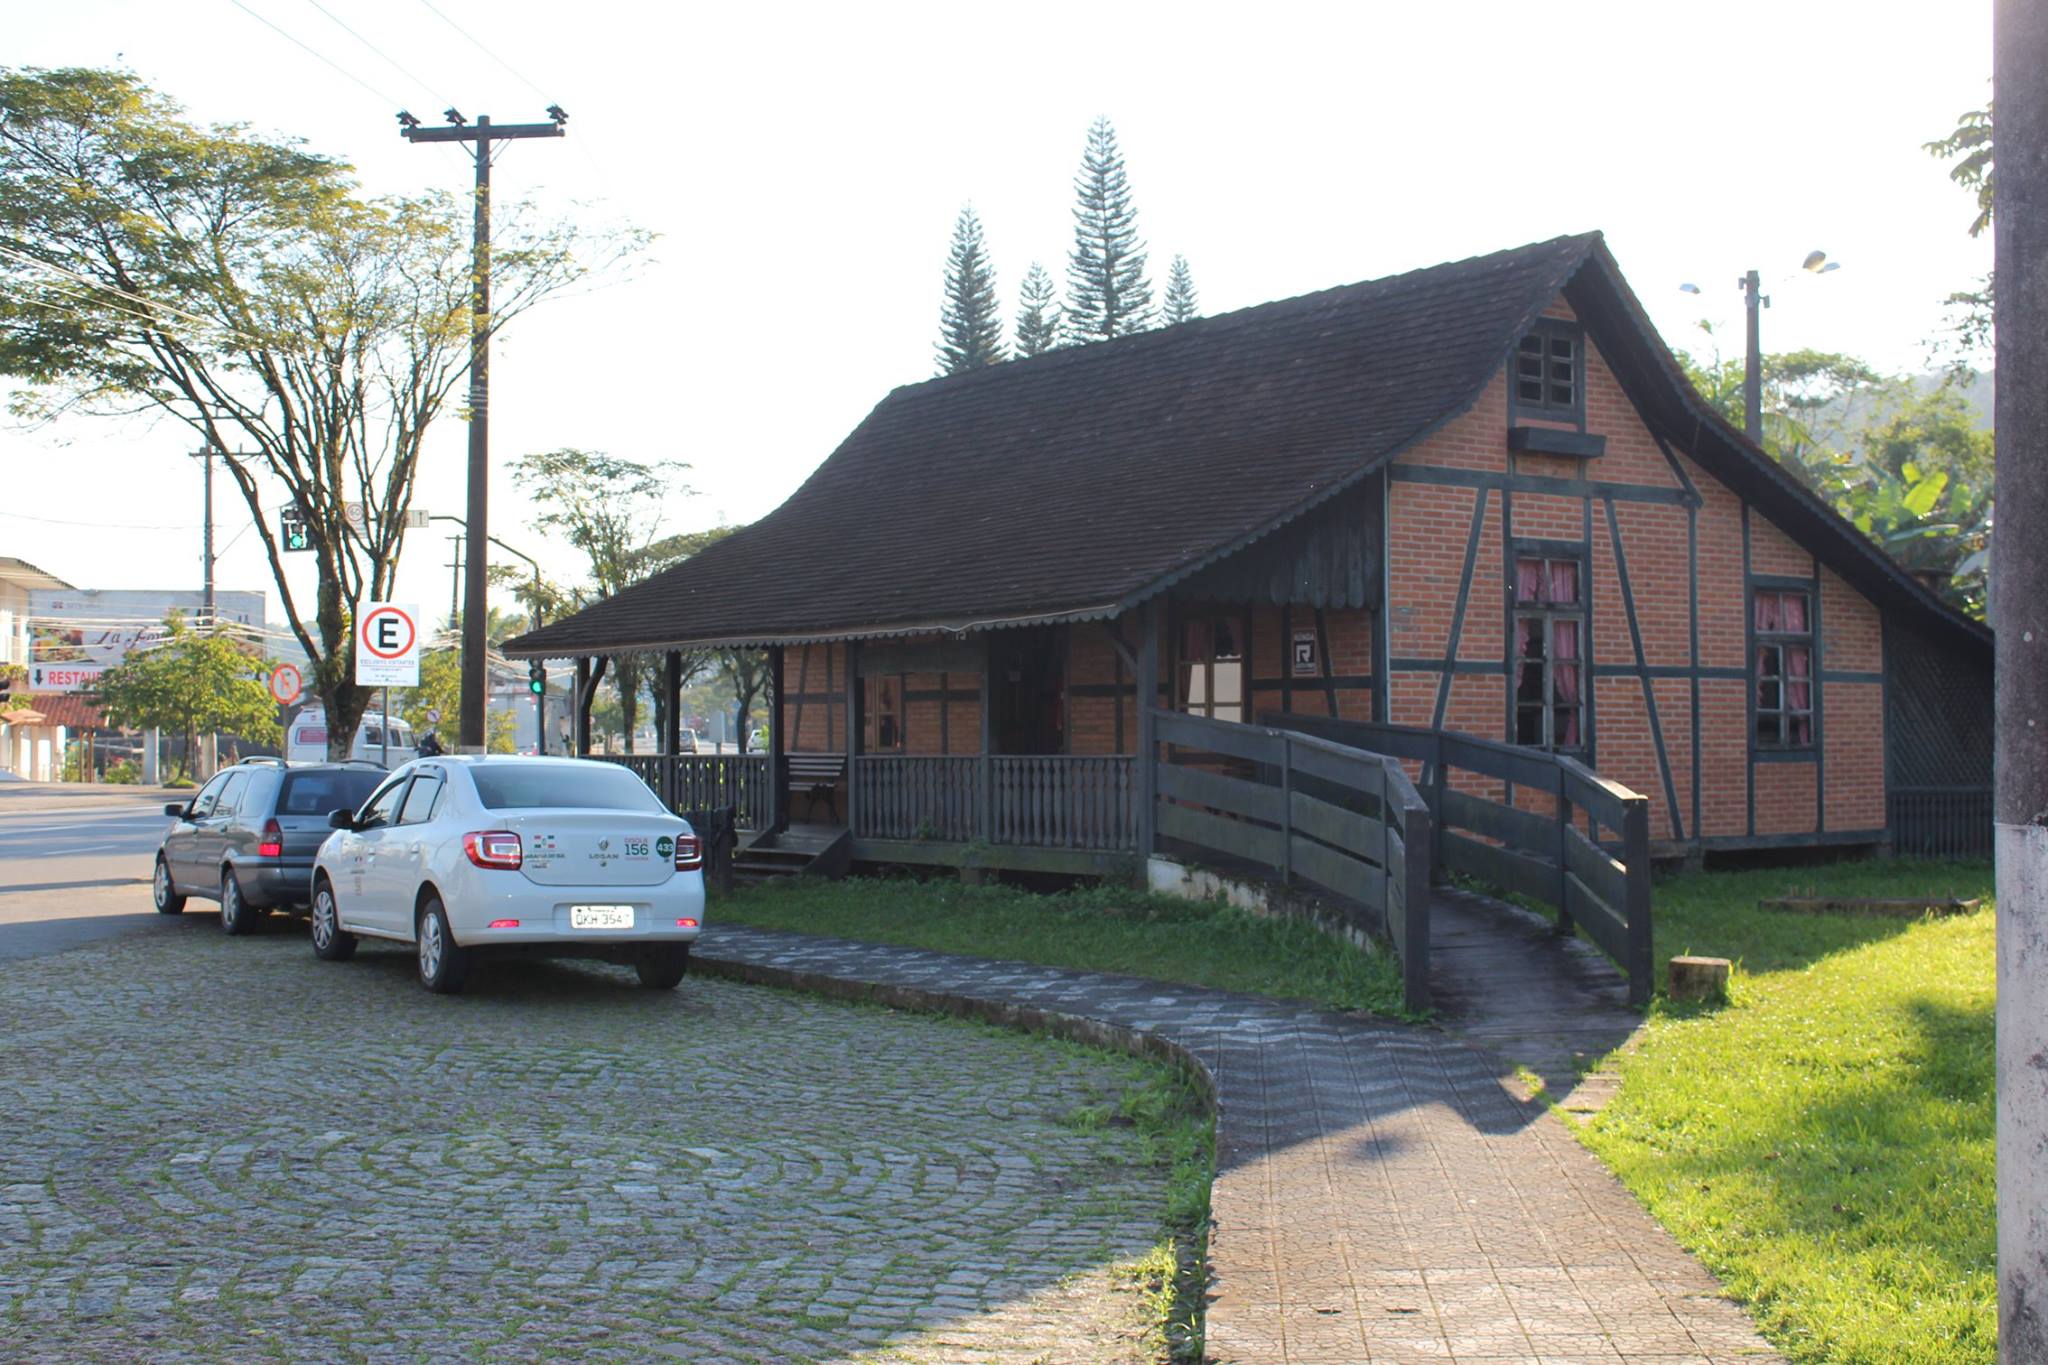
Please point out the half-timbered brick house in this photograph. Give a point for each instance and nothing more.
(1479, 498)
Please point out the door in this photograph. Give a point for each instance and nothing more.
(210, 836)
(1028, 690)
(402, 862)
(181, 845)
(371, 876)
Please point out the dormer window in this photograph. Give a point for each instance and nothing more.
(1549, 372)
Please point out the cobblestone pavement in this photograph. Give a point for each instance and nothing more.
(223, 1150)
(1379, 1196)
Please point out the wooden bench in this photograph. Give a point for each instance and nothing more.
(818, 775)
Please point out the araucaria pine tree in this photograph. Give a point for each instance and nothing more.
(1107, 292)
(1038, 313)
(970, 328)
(1181, 303)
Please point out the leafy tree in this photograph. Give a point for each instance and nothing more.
(191, 684)
(970, 327)
(440, 692)
(1038, 313)
(741, 673)
(1182, 304)
(1970, 147)
(610, 509)
(1108, 294)
(243, 288)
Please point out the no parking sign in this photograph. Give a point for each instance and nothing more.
(388, 646)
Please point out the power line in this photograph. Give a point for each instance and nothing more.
(478, 45)
(389, 60)
(99, 525)
(317, 54)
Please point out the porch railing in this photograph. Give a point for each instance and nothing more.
(1305, 809)
(1038, 801)
(1538, 824)
(707, 782)
(916, 797)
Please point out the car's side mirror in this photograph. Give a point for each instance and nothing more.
(341, 819)
(177, 808)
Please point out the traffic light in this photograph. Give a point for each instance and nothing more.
(537, 678)
(291, 526)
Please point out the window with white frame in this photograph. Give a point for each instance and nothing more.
(1211, 681)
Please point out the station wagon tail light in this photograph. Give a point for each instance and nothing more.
(272, 844)
(689, 853)
(496, 848)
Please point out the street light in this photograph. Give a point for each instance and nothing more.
(1753, 301)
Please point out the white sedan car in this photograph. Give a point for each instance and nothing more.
(468, 855)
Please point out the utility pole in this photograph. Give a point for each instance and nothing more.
(455, 584)
(205, 455)
(2019, 614)
(1753, 363)
(475, 685)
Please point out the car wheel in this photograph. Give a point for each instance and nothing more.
(168, 901)
(331, 942)
(235, 915)
(662, 969)
(444, 965)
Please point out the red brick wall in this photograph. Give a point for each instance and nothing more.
(1429, 528)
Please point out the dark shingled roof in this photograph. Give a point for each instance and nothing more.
(1077, 483)
(1070, 484)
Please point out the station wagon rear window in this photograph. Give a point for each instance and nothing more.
(317, 793)
(599, 786)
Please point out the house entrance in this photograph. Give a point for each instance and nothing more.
(1028, 690)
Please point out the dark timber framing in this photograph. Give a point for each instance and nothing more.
(1443, 682)
(1635, 635)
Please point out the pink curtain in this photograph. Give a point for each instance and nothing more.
(1799, 690)
(1564, 678)
(1525, 631)
(1767, 616)
(1528, 577)
(1564, 582)
(1794, 611)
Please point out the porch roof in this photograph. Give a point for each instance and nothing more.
(1077, 483)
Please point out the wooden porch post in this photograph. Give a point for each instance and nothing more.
(984, 812)
(854, 722)
(671, 741)
(778, 743)
(581, 722)
(1148, 730)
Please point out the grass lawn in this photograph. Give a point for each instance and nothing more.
(1104, 928)
(1824, 1141)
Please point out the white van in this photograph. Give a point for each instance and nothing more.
(306, 740)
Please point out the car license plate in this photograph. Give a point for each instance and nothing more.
(600, 917)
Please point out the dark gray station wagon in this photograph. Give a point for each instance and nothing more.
(248, 837)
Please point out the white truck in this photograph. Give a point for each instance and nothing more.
(388, 744)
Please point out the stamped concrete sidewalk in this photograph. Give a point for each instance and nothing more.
(1379, 1196)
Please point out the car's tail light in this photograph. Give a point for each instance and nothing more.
(689, 853)
(504, 924)
(686, 923)
(272, 845)
(495, 848)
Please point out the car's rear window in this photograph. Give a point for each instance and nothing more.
(324, 790)
(591, 786)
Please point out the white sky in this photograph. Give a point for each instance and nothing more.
(803, 166)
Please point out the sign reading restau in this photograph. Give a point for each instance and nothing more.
(64, 677)
(388, 646)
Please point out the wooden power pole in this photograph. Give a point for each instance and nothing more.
(2019, 614)
(475, 686)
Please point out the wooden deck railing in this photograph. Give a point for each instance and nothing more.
(1560, 833)
(1306, 809)
(1032, 800)
(706, 782)
(916, 797)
